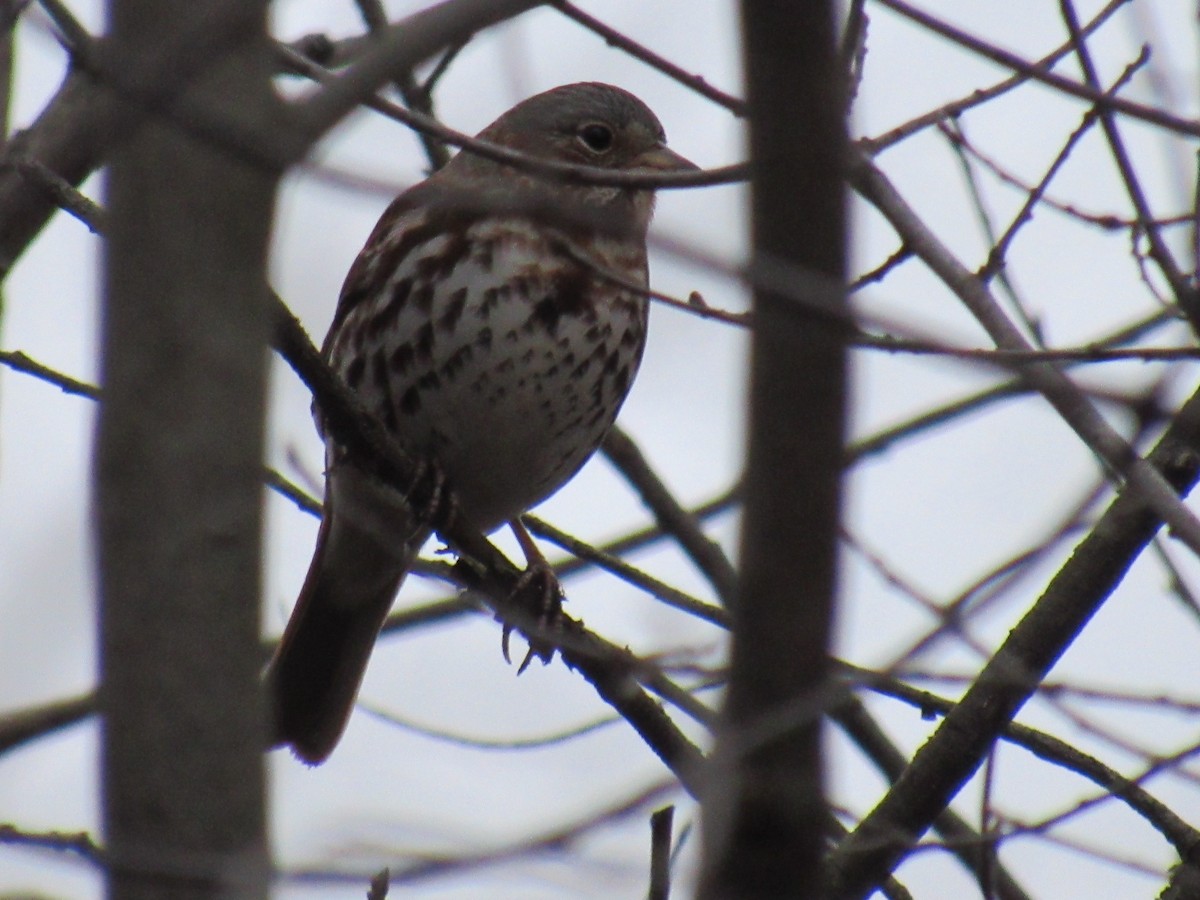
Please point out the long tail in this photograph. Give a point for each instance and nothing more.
(363, 553)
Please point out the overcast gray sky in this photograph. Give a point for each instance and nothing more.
(940, 509)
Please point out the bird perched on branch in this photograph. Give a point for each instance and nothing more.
(493, 322)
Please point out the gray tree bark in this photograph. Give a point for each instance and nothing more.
(179, 455)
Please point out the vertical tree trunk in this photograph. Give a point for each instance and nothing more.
(764, 807)
(178, 472)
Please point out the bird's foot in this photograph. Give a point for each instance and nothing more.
(538, 591)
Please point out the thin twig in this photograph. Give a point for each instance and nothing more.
(19, 727)
(1037, 194)
(416, 96)
(478, 743)
(523, 161)
(622, 42)
(1036, 72)
(1050, 381)
(878, 144)
(1186, 295)
(19, 362)
(882, 440)
(953, 130)
(79, 843)
(422, 867)
(661, 823)
(898, 257)
(58, 189)
(706, 553)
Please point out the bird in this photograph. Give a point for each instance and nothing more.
(493, 323)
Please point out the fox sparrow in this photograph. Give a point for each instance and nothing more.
(479, 325)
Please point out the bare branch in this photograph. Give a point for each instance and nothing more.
(962, 741)
(1083, 418)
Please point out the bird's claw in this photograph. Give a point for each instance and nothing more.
(537, 590)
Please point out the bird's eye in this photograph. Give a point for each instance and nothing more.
(597, 137)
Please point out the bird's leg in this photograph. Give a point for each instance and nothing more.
(537, 581)
(427, 494)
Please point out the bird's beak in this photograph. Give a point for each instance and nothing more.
(661, 158)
